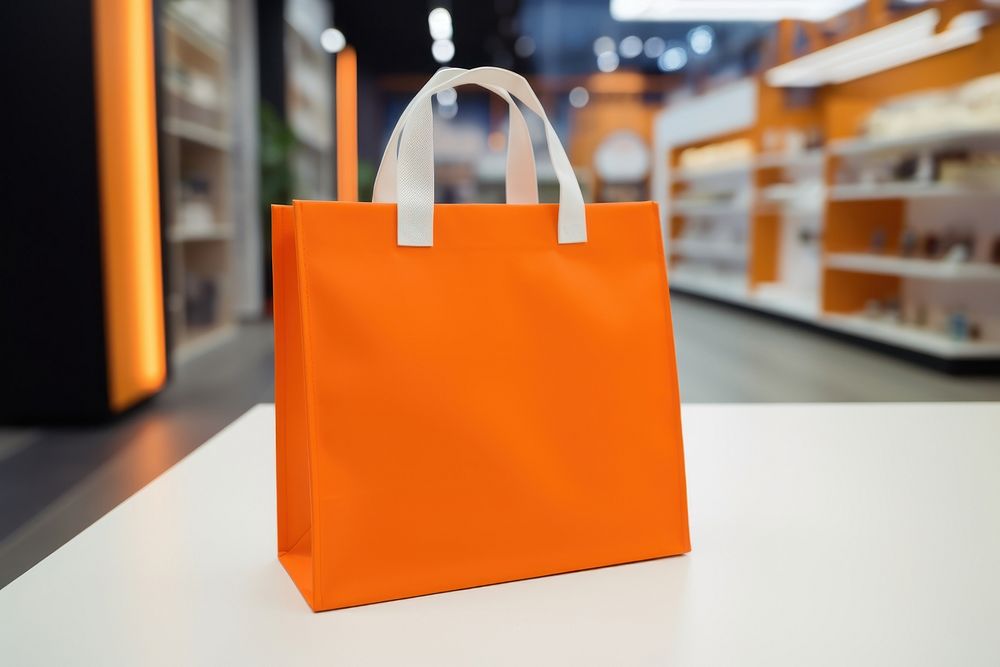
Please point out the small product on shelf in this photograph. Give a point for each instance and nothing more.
(892, 310)
(808, 236)
(195, 210)
(200, 301)
(945, 139)
(873, 309)
(932, 246)
(959, 247)
(878, 241)
(958, 326)
(909, 243)
(887, 310)
(979, 171)
(974, 105)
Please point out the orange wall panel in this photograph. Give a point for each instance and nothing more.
(848, 292)
(129, 192)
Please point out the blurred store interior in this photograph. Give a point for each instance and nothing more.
(827, 172)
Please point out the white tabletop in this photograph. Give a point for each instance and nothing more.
(823, 535)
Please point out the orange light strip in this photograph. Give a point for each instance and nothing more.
(347, 125)
(130, 208)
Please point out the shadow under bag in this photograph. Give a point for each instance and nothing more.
(471, 394)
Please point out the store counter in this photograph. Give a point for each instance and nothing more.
(822, 534)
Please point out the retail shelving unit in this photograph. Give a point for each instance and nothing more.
(746, 230)
(880, 220)
(197, 142)
(710, 209)
(210, 172)
(868, 263)
(309, 100)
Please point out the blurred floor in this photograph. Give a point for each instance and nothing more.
(56, 482)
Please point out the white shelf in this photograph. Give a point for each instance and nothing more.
(812, 158)
(792, 193)
(191, 32)
(930, 269)
(920, 340)
(715, 284)
(180, 234)
(693, 174)
(709, 249)
(731, 289)
(708, 209)
(788, 301)
(781, 193)
(904, 190)
(853, 147)
(200, 134)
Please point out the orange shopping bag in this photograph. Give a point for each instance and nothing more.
(473, 393)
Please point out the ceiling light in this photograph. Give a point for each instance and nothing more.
(332, 40)
(524, 46)
(701, 39)
(579, 97)
(655, 46)
(439, 22)
(443, 50)
(603, 45)
(729, 10)
(630, 47)
(607, 61)
(673, 59)
(447, 97)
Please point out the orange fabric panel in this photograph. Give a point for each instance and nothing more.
(291, 419)
(492, 408)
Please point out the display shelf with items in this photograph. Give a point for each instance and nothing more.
(943, 142)
(929, 269)
(711, 204)
(925, 139)
(309, 99)
(912, 255)
(746, 204)
(925, 276)
(785, 266)
(198, 169)
(864, 213)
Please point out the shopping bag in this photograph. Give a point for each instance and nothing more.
(471, 394)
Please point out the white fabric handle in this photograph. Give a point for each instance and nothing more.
(521, 184)
(415, 171)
